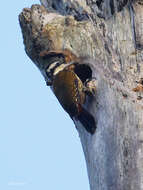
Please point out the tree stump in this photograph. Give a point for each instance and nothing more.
(108, 35)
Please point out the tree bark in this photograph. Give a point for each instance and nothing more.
(109, 34)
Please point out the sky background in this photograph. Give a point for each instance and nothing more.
(39, 145)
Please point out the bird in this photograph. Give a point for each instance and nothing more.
(67, 82)
(69, 90)
(56, 60)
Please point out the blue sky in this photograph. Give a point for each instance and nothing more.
(39, 145)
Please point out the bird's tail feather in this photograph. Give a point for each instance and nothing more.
(87, 120)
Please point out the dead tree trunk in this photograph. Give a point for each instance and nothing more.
(110, 34)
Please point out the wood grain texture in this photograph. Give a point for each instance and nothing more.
(107, 41)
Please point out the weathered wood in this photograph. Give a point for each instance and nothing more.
(113, 47)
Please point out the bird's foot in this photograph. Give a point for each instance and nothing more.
(90, 86)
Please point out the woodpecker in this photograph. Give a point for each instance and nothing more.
(55, 61)
(70, 90)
